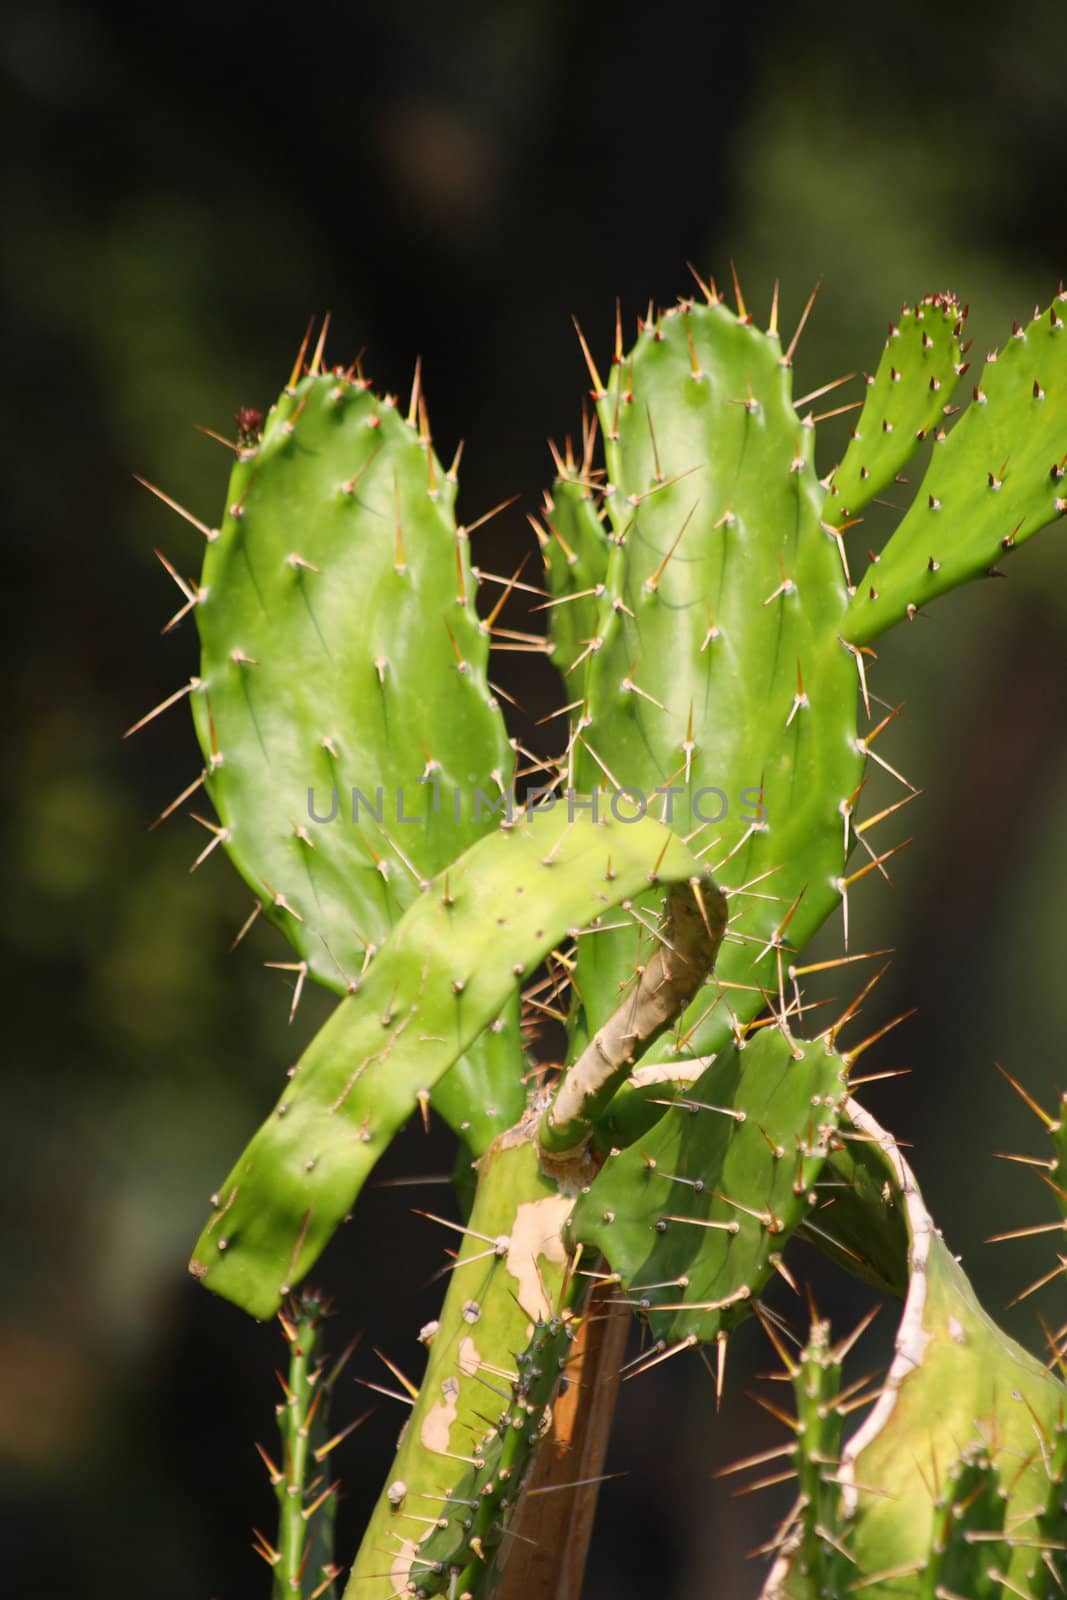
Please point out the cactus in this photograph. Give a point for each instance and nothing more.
(303, 1560)
(953, 1483)
(714, 653)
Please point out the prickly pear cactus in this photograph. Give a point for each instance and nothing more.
(714, 652)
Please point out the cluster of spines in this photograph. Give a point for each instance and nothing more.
(302, 1559)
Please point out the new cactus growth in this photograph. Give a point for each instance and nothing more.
(714, 653)
(306, 1494)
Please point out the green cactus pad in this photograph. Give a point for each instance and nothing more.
(495, 1359)
(906, 398)
(717, 669)
(995, 479)
(693, 1217)
(342, 665)
(443, 975)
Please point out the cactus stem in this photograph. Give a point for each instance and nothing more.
(210, 534)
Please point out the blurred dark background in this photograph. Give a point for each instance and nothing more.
(183, 187)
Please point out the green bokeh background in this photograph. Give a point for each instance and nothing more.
(183, 187)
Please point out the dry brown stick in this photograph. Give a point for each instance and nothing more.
(685, 953)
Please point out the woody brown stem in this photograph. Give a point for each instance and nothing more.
(684, 955)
